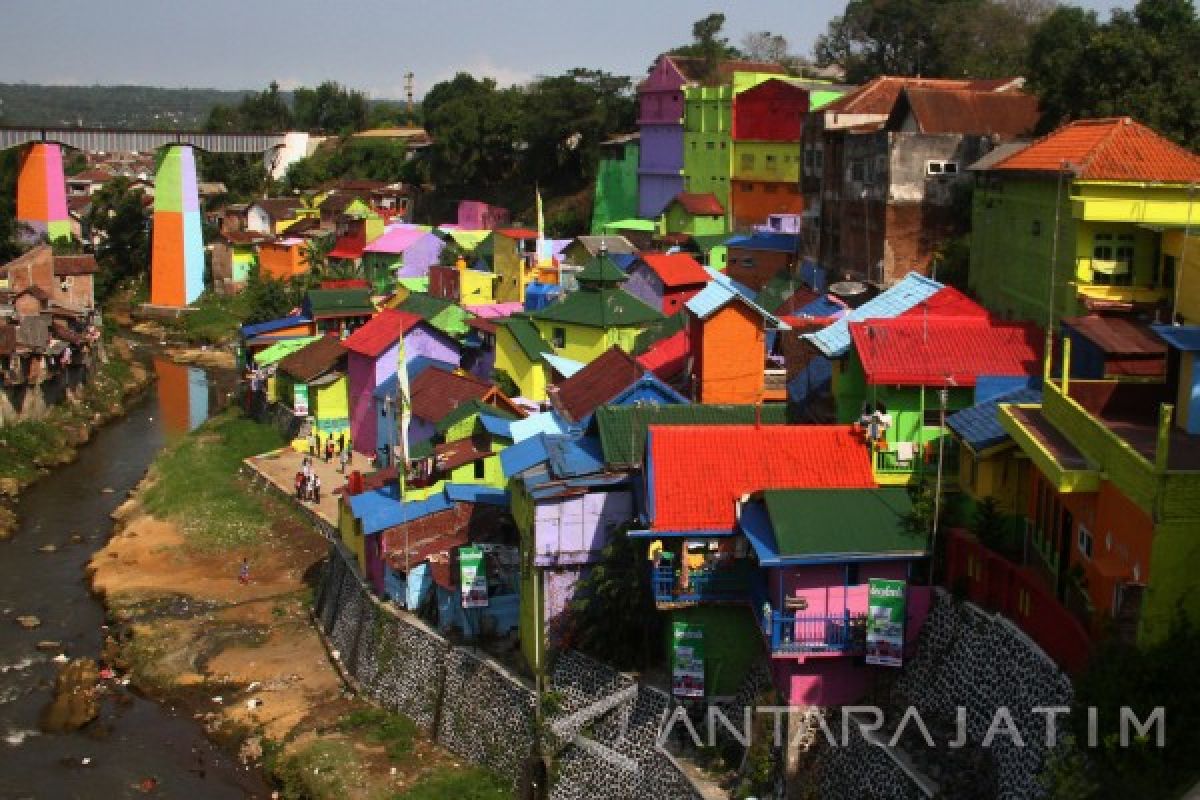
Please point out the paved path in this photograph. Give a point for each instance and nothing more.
(280, 468)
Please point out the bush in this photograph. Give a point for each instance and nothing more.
(467, 784)
(396, 732)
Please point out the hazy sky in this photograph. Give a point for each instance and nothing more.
(367, 44)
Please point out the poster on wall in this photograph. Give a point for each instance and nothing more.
(300, 399)
(885, 622)
(473, 577)
(687, 660)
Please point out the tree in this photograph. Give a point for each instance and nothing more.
(265, 297)
(767, 47)
(708, 44)
(10, 247)
(262, 111)
(119, 222)
(330, 108)
(612, 615)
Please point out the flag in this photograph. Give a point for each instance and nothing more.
(543, 249)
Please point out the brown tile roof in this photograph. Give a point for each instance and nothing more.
(94, 175)
(1118, 335)
(436, 392)
(597, 383)
(78, 203)
(314, 359)
(1007, 114)
(246, 237)
(279, 208)
(693, 69)
(877, 97)
(1112, 149)
(452, 455)
(75, 265)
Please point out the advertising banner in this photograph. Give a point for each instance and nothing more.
(300, 399)
(473, 577)
(885, 622)
(687, 660)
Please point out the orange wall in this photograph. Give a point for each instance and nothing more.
(280, 261)
(1111, 512)
(754, 206)
(731, 356)
(166, 261)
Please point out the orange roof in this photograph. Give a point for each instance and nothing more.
(676, 269)
(517, 233)
(700, 205)
(877, 97)
(1111, 149)
(697, 473)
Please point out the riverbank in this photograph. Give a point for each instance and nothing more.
(243, 658)
(29, 449)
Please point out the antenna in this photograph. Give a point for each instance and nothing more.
(408, 94)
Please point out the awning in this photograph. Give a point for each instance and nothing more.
(1106, 267)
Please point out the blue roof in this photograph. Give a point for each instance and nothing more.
(720, 291)
(535, 424)
(381, 509)
(813, 274)
(623, 260)
(497, 426)
(523, 455)
(979, 425)
(1180, 337)
(273, 325)
(834, 340)
(814, 379)
(756, 524)
(475, 493)
(778, 242)
(823, 306)
(570, 458)
(562, 365)
(539, 295)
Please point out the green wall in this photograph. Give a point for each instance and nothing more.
(616, 188)
(732, 643)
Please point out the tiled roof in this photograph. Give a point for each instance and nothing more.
(339, 302)
(302, 225)
(380, 332)
(834, 341)
(245, 237)
(75, 265)
(623, 428)
(979, 425)
(1006, 114)
(947, 302)
(877, 97)
(700, 205)
(597, 383)
(840, 523)
(697, 474)
(397, 240)
(526, 335)
(916, 351)
(693, 69)
(1113, 149)
(436, 392)
(314, 359)
(1118, 335)
(676, 269)
(517, 233)
(93, 175)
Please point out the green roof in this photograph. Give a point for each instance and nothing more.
(811, 523)
(340, 301)
(623, 428)
(468, 409)
(658, 330)
(421, 449)
(603, 307)
(526, 335)
(282, 349)
(777, 290)
(447, 317)
(601, 270)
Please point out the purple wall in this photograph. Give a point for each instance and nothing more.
(420, 255)
(660, 96)
(645, 285)
(659, 178)
(574, 530)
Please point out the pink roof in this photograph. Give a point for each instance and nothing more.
(495, 310)
(396, 240)
(934, 351)
(699, 472)
(381, 332)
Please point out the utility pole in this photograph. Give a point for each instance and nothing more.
(943, 400)
(408, 94)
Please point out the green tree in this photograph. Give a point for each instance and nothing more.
(330, 108)
(10, 247)
(265, 297)
(613, 616)
(119, 220)
(708, 44)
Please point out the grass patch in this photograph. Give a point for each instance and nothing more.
(214, 320)
(396, 732)
(472, 783)
(323, 769)
(199, 486)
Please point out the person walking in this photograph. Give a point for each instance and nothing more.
(317, 489)
(300, 479)
(244, 572)
(309, 487)
(342, 442)
(328, 449)
(343, 459)
(312, 443)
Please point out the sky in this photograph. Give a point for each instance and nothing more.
(369, 44)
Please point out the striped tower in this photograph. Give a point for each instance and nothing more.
(177, 246)
(42, 192)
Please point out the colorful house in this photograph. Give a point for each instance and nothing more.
(614, 378)
(374, 353)
(694, 215)
(728, 335)
(514, 261)
(1114, 346)
(1115, 187)
(616, 180)
(270, 215)
(519, 351)
(660, 118)
(312, 383)
(284, 258)
(1111, 515)
(447, 317)
(339, 311)
(755, 258)
(436, 392)
(600, 314)
(476, 215)
(233, 257)
(401, 252)
(666, 281)
(765, 150)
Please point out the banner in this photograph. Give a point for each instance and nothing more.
(472, 577)
(300, 399)
(885, 622)
(687, 660)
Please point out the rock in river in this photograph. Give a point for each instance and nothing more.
(74, 704)
(28, 622)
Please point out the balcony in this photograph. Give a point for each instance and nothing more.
(801, 634)
(703, 585)
(895, 463)
(1121, 295)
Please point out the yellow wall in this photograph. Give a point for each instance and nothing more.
(509, 265)
(530, 377)
(476, 288)
(1000, 475)
(584, 343)
(1187, 271)
(351, 533)
(1150, 204)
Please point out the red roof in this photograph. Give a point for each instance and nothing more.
(481, 324)
(700, 205)
(668, 358)
(947, 302)
(697, 473)
(436, 392)
(919, 351)
(1007, 114)
(452, 455)
(876, 97)
(797, 300)
(381, 332)
(517, 233)
(597, 383)
(1113, 149)
(75, 265)
(350, 249)
(676, 269)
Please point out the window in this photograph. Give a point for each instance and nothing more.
(933, 417)
(1036, 228)
(1168, 272)
(941, 167)
(852, 578)
(693, 145)
(748, 263)
(559, 337)
(1112, 259)
(771, 161)
(858, 171)
(769, 188)
(710, 145)
(479, 469)
(1085, 542)
(747, 161)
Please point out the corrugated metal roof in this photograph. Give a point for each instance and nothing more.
(314, 359)
(1118, 335)
(840, 524)
(834, 341)
(524, 454)
(969, 112)
(774, 242)
(979, 425)
(676, 269)
(259, 328)
(1180, 337)
(381, 332)
(623, 428)
(597, 383)
(566, 367)
(536, 424)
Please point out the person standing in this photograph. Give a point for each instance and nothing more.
(317, 489)
(343, 459)
(342, 442)
(300, 479)
(244, 572)
(328, 449)
(312, 443)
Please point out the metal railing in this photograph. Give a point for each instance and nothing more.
(816, 633)
(703, 585)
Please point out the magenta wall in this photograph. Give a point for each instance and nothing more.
(660, 95)
(360, 371)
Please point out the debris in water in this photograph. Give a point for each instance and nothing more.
(218, 699)
(61, 658)
(48, 646)
(48, 548)
(107, 490)
(28, 621)
(85, 761)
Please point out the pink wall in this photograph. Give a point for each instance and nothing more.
(660, 96)
(360, 371)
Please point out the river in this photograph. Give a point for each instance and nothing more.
(135, 738)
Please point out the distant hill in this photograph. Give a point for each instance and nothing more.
(110, 106)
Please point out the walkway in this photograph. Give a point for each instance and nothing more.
(280, 468)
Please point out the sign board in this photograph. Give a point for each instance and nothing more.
(687, 660)
(473, 577)
(300, 399)
(885, 622)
